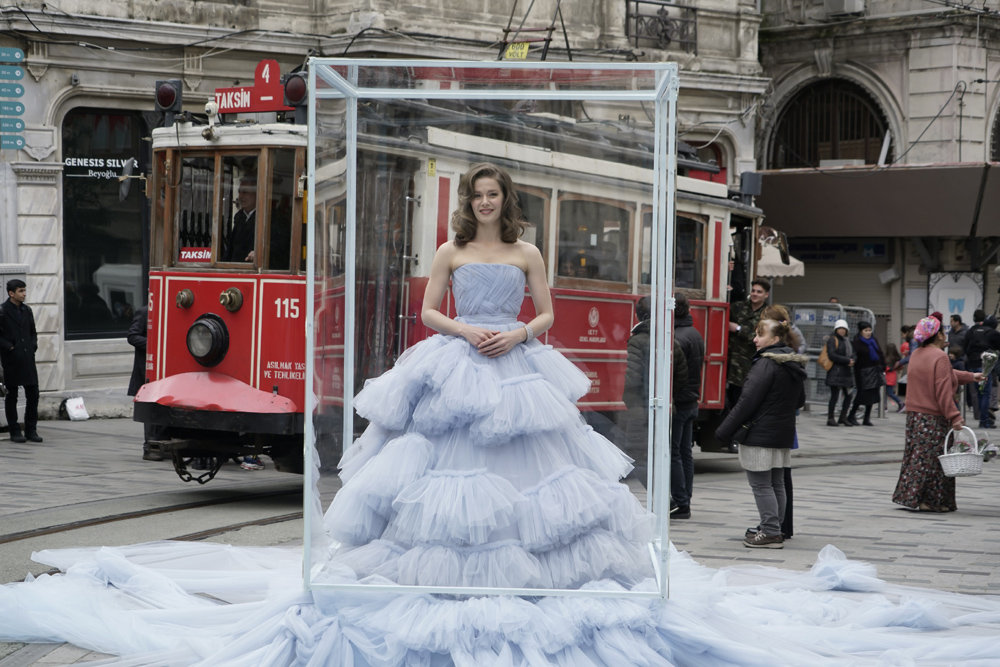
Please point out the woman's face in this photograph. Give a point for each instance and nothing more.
(866, 333)
(487, 200)
(842, 332)
(763, 339)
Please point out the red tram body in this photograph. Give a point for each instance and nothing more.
(245, 317)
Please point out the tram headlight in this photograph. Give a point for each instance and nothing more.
(208, 340)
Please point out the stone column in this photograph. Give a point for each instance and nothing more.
(39, 236)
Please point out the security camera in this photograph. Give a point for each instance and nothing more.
(212, 109)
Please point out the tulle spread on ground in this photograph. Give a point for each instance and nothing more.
(482, 472)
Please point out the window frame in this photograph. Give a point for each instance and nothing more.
(594, 284)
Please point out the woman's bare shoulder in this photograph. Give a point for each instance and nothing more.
(528, 253)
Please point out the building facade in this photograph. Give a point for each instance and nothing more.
(91, 72)
(877, 138)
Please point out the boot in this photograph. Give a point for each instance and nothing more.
(33, 436)
(844, 421)
(868, 417)
(852, 418)
(16, 435)
(830, 421)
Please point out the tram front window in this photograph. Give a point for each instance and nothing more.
(239, 208)
(193, 226)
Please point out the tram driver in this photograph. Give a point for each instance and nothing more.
(238, 245)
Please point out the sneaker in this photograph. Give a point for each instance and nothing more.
(252, 463)
(762, 541)
(751, 532)
(902, 406)
(681, 512)
(33, 436)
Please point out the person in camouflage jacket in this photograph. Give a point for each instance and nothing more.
(743, 319)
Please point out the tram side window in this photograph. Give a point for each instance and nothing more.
(282, 198)
(594, 239)
(534, 209)
(239, 208)
(336, 214)
(689, 251)
(194, 210)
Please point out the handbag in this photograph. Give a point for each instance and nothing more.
(824, 360)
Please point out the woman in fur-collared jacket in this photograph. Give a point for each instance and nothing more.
(763, 423)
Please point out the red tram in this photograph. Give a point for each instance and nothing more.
(226, 338)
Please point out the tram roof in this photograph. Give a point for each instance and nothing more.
(190, 135)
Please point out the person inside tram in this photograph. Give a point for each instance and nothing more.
(238, 244)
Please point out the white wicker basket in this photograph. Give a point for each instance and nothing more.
(961, 464)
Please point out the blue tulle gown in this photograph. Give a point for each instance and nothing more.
(481, 472)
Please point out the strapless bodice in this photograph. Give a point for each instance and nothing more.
(488, 293)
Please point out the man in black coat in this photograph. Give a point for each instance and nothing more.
(686, 397)
(981, 337)
(239, 243)
(18, 344)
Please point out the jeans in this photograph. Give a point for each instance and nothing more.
(30, 410)
(768, 489)
(681, 457)
(890, 393)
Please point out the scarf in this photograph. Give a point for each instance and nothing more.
(872, 346)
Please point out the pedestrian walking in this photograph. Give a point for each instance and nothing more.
(686, 397)
(840, 377)
(869, 373)
(18, 344)
(930, 412)
(763, 424)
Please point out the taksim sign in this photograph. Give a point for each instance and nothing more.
(267, 93)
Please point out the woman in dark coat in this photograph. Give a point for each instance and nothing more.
(840, 378)
(763, 421)
(869, 372)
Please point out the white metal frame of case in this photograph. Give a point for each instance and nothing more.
(663, 97)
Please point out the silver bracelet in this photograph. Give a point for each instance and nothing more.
(529, 333)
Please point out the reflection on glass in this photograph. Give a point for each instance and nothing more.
(239, 213)
(534, 209)
(102, 229)
(689, 252)
(594, 239)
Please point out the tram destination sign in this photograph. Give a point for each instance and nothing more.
(267, 93)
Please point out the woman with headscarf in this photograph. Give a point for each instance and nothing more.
(869, 373)
(930, 412)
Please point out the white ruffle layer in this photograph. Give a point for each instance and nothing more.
(205, 604)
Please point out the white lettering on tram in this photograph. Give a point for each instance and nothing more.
(233, 99)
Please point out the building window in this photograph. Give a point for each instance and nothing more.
(829, 120)
(102, 230)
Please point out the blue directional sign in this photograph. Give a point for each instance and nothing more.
(11, 108)
(15, 141)
(11, 125)
(8, 55)
(11, 73)
(11, 90)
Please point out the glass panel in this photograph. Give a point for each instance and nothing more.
(535, 209)
(239, 213)
(428, 423)
(195, 209)
(283, 184)
(593, 239)
(102, 233)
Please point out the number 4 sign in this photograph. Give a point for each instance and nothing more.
(267, 93)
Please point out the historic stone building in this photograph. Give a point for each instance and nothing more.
(91, 67)
(882, 117)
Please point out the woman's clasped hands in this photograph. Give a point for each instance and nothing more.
(493, 343)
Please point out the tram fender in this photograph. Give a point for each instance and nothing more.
(213, 392)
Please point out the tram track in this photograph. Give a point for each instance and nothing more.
(153, 511)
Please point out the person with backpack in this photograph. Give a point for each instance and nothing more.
(839, 376)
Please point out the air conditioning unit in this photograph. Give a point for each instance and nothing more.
(843, 7)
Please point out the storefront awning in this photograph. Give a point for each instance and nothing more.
(927, 200)
(771, 266)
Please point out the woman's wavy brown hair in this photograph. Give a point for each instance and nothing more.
(780, 314)
(463, 220)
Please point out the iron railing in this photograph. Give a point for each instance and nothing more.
(661, 25)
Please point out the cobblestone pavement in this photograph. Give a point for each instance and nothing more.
(843, 483)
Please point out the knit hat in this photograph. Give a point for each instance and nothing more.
(841, 324)
(991, 322)
(862, 325)
(926, 329)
